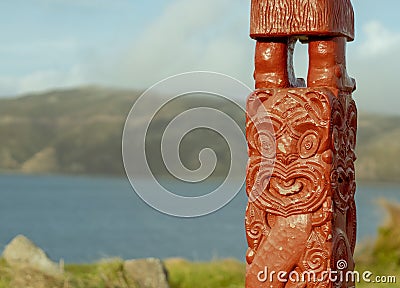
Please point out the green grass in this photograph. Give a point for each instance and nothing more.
(222, 273)
(226, 273)
(104, 274)
(109, 274)
(382, 257)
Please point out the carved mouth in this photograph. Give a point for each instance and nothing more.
(287, 187)
(299, 187)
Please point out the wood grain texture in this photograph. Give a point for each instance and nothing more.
(281, 18)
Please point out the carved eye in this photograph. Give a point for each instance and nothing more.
(308, 144)
(267, 145)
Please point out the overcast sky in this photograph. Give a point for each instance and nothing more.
(47, 44)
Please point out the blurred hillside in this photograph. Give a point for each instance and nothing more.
(80, 130)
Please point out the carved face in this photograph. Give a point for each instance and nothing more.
(297, 142)
(344, 130)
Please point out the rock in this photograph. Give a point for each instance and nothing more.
(22, 252)
(146, 273)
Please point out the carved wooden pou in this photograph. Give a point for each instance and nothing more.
(301, 214)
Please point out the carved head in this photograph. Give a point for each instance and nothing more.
(296, 140)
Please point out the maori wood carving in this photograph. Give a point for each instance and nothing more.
(301, 214)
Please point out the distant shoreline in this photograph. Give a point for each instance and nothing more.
(165, 178)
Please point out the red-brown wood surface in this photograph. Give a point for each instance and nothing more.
(272, 18)
(301, 214)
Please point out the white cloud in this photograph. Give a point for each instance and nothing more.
(379, 40)
(48, 56)
(42, 80)
(374, 63)
(189, 35)
(213, 35)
